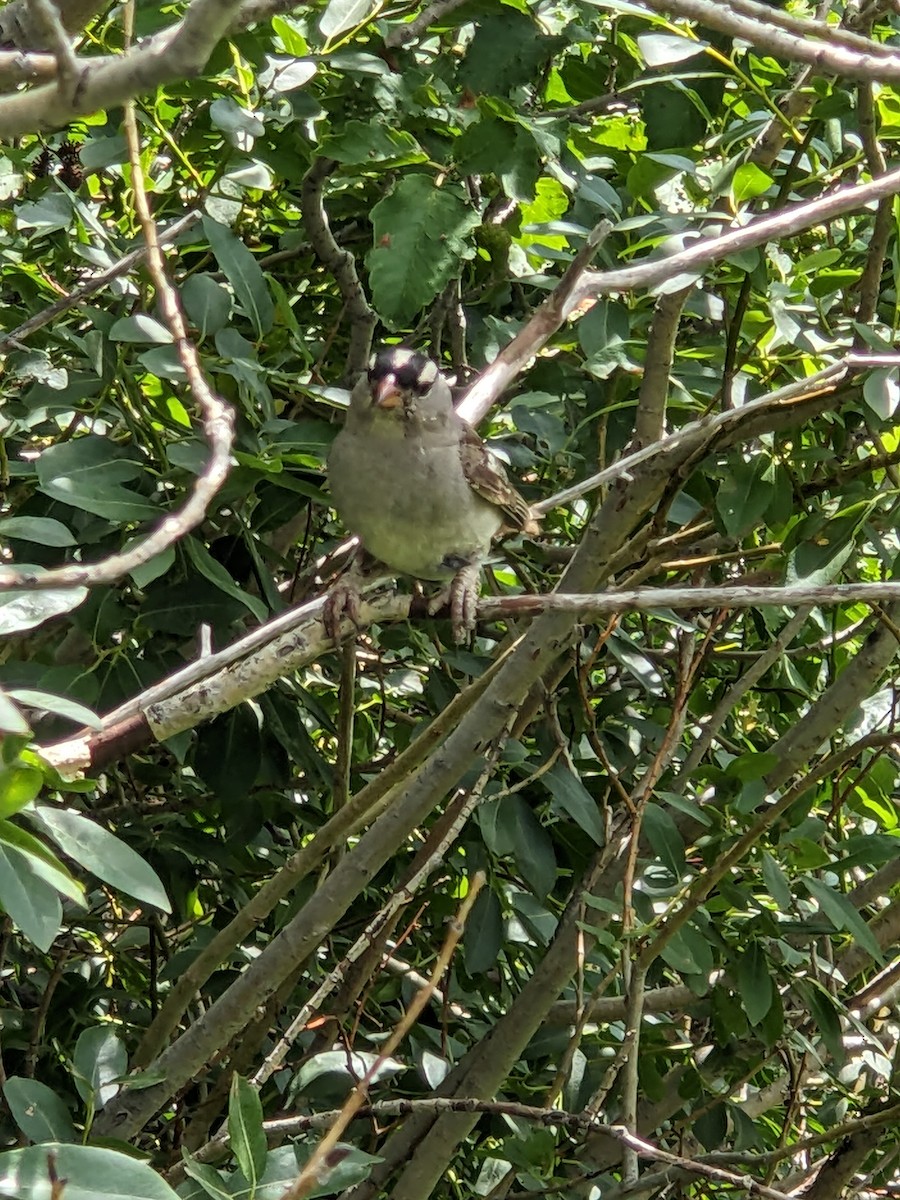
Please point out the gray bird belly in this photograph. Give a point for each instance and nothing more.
(412, 510)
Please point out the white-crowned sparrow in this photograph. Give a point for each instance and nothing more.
(416, 483)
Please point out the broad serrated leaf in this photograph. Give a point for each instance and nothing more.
(367, 143)
(419, 235)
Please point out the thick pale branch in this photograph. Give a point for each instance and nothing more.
(176, 54)
(690, 599)
(829, 56)
(22, 27)
(580, 285)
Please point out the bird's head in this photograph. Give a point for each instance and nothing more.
(404, 380)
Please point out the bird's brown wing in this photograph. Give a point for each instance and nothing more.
(485, 474)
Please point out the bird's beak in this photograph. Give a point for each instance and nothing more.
(386, 393)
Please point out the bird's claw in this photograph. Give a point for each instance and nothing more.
(340, 603)
(462, 595)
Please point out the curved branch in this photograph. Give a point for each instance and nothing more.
(178, 53)
(709, 248)
(342, 266)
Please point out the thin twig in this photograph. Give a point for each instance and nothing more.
(342, 266)
(314, 1166)
(218, 423)
(403, 35)
(123, 266)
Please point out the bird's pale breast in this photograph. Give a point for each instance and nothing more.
(408, 501)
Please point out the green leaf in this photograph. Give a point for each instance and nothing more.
(140, 328)
(777, 883)
(532, 846)
(100, 852)
(31, 903)
(229, 753)
(665, 840)
(245, 1129)
(574, 798)
(688, 951)
(19, 785)
(38, 1111)
(282, 75)
(507, 51)
(754, 983)
(341, 15)
(28, 609)
(206, 302)
(43, 531)
(87, 473)
(217, 574)
(881, 393)
(419, 235)
(367, 143)
(100, 1059)
(208, 1177)
(90, 1172)
(11, 720)
(483, 935)
(236, 121)
(60, 705)
(52, 212)
(841, 913)
(821, 547)
(744, 495)
(748, 182)
(665, 49)
(823, 1011)
(244, 274)
(43, 861)
(350, 1066)
(711, 1127)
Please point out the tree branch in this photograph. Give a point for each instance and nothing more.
(171, 56)
(342, 266)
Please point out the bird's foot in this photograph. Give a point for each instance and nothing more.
(462, 595)
(342, 601)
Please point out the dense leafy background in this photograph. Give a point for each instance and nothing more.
(466, 169)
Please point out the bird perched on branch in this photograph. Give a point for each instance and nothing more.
(417, 485)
